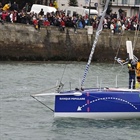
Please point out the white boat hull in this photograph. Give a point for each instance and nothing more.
(99, 115)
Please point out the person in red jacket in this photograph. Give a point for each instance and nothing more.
(35, 23)
(4, 15)
(62, 25)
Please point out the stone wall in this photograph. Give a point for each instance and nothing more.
(23, 42)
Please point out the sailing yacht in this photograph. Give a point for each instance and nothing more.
(96, 103)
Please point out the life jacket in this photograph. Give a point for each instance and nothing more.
(138, 69)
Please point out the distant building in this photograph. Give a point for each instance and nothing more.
(130, 7)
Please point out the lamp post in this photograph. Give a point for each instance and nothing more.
(89, 12)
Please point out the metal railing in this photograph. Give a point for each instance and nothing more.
(97, 82)
(135, 3)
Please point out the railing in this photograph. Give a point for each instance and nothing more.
(135, 3)
(94, 82)
(98, 82)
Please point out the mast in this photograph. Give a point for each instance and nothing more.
(99, 29)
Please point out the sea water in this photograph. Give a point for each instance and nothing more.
(23, 118)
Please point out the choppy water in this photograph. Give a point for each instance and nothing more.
(22, 118)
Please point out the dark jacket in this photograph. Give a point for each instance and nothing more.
(131, 69)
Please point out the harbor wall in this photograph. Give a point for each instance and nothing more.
(23, 42)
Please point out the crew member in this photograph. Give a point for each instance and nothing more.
(132, 75)
(138, 71)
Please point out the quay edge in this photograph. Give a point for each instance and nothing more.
(20, 42)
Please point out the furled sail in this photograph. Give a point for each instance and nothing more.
(99, 29)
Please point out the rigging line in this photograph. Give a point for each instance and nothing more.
(99, 29)
(120, 38)
(68, 54)
(119, 44)
(46, 90)
(63, 72)
(120, 70)
(60, 85)
(42, 103)
(60, 82)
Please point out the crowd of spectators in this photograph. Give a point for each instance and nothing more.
(116, 23)
(120, 23)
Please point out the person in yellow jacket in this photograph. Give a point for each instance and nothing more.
(138, 75)
(138, 71)
(55, 4)
(6, 7)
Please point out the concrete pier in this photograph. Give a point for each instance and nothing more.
(22, 42)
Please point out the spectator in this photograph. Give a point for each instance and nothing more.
(1, 20)
(51, 4)
(11, 17)
(1, 6)
(55, 4)
(4, 15)
(83, 22)
(108, 23)
(105, 24)
(123, 28)
(41, 12)
(115, 15)
(75, 24)
(14, 6)
(60, 19)
(39, 23)
(6, 7)
(14, 16)
(27, 7)
(120, 12)
(45, 21)
(62, 24)
(112, 28)
(35, 23)
(135, 25)
(119, 26)
(80, 25)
